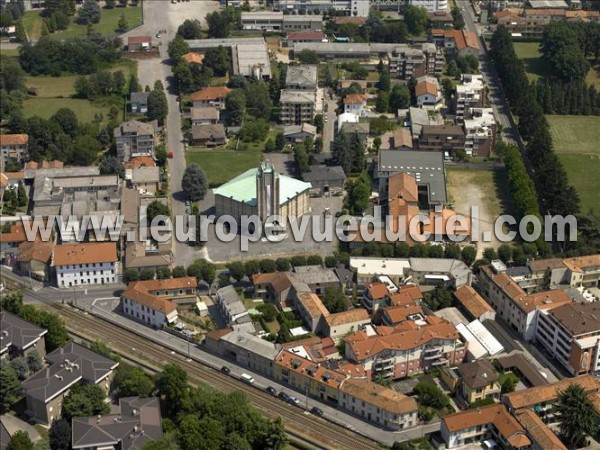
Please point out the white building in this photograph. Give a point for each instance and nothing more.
(430, 5)
(470, 93)
(355, 104)
(231, 306)
(85, 264)
(480, 132)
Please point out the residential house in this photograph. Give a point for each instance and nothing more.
(338, 325)
(541, 399)
(442, 138)
(145, 179)
(9, 242)
(470, 93)
(139, 102)
(311, 309)
(325, 179)
(345, 118)
(135, 138)
(355, 104)
(479, 381)
(33, 259)
(304, 36)
(139, 43)
(301, 78)
(380, 405)
(210, 96)
(85, 264)
(13, 149)
(394, 315)
(137, 423)
(146, 254)
(361, 129)
(273, 287)
(11, 180)
(418, 344)
(205, 115)
(231, 306)
(428, 93)
(571, 334)
(297, 134)
(480, 132)
(317, 278)
(513, 304)
(440, 19)
(456, 42)
(491, 422)
(473, 304)
(209, 135)
(154, 302)
(419, 117)
(140, 161)
(297, 107)
(68, 365)
(19, 337)
(375, 296)
(541, 435)
(532, 22)
(528, 372)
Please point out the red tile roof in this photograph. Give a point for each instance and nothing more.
(306, 36)
(353, 99)
(211, 93)
(139, 39)
(96, 252)
(14, 139)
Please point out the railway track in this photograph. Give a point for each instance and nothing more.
(319, 432)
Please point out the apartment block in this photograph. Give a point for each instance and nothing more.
(531, 22)
(19, 337)
(13, 149)
(480, 132)
(232, 308)
(441, 138)
(135, 138)
(85, 264)
(470, 93)
(517, 308)
(407, 61)
(571, 333)
(415, 345)
(297, 107)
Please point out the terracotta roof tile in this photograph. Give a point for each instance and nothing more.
(377, 290)
(354, 99)
(425, 87)
(14, 139)
(380, 396)
(97, 252)
(211, 93)
(16, 234)
(349, 316)
(474, 303)
(193, 58)
(538, 430)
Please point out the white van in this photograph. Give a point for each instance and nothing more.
(247, 378)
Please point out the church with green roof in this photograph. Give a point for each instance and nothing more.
(262, 192)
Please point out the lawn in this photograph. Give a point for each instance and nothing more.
(46, 107)
(48, 87)
(108, 25)
(223, 165)
(576, 141)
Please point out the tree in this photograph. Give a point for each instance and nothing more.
(134, 84)
(89, 13)
(20, 34)
(280, 141)
(194, 183)
(131, 381)
(157, 105)
(267, 266)
(335, 300)
(251, 267)
(298, 261)
(67, 121)
(34, 361)
(384, 81)
(360, 194)
(490, 254)
(269, 146)
(452, 251)
(218, 60)
(163, 273)
(21, 195)
(59, 435)
(220, 23)
(468, 255)
(382, 104)
(177, 48)
(235, 105)
(172, 383)
(331, 262)
(109, 4)
(155, 209)
(258, 100)
(430, 395)
(301, 158)
(576, 415)
(179, 272)
(318, 122)
(130, 275)
(190, 29)
(283, 264)
(341, 152)
(399, 97)
(111, 165)
(123, 25)
(147, 274)
(236, 270)
(10, 387)
(416, 20)
(314, 260)
(308, 56)
(439, 298)
(20, 441)
(84, 400)
(19, 364)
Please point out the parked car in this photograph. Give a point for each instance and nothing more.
(283, 396)
(271, 390)
(170, 155)
(247, 378)
(316, 411)
(226, 370)
(293, 400)
(187, 203)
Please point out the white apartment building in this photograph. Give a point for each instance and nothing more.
(571, 333)
(85, 264)
(357, 8)
(480, 132)
(470, 93)
(430, 5)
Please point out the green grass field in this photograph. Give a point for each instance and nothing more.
(223, 165)
(32, 21)
(46, 107)
(576, 141)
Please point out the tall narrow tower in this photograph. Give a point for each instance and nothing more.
(267, 187)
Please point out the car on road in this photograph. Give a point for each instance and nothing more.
(158, 36)
(283, 396)
(170, 155)
(293, 400)
(271, 390)
(316, 411)
(187, 203)
(226, 370)
(247, 378)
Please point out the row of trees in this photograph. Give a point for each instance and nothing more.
(238, 270)
(348, 151)
(521, 186)
(101, 84)
(252, 99)
(574, 97)
(81, 55)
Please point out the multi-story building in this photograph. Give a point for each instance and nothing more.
(407, 61)
(19, 337)
(137, 422)
(355, 104)
(135, 138)
(456, 42)
(512, 303)
(304, 36)
(213, 96)
(302, 23)
(231, 306)
(532, 22)
(277, 21)
(480, 424)
(430, 5)
(84, 264)
(355, 8)
(581, 271)
(479, 381)
(420, 343)
(540, 434)
(480, 132)
(301, 78)
(154, 302)
(541, 399)
(470, 93)
(428, 93)
(441, 138)
(297, 107)
(365, 399)
(473, 304)
(13, 149)
(68, 365)
(571, 333)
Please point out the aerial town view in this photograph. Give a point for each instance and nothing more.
(299, 224)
